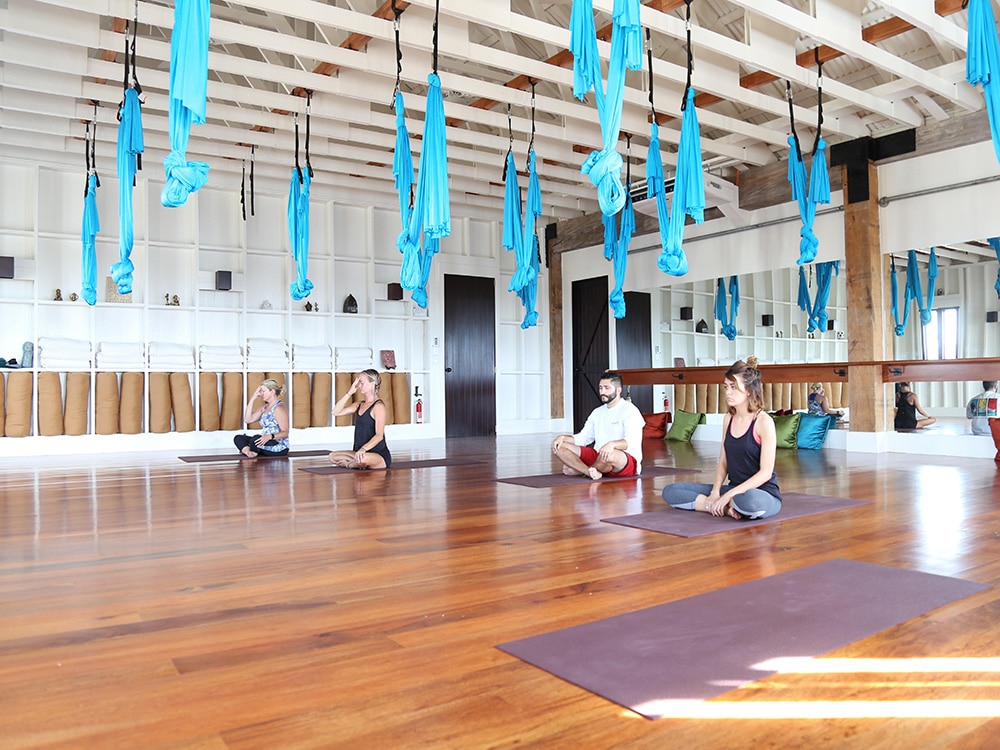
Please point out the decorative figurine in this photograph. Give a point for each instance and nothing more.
(309, 306)
(176, 301)
(58, 297)
(265, 305)
(73, 296)
(166, 299)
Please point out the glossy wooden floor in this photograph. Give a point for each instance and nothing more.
(149, 603)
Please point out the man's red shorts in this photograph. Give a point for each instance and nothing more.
(589, 456)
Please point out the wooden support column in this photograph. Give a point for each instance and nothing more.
(867, 320)
(556, 385)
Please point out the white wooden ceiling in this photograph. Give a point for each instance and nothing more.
(890, 65)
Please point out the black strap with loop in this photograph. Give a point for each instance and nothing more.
(819, 106)
(531, 141)
(93, 149)
(309, 98)
(649, 61)
(690, 56)
(791, 118)
(510, 145)
(298, 169)
(243, 191)
(628, 161)
(437, 13)
(253, 154)
(86, 158)
(396, 13)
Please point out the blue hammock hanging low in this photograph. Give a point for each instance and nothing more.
(90, 226)
(982, 61)
(728, 318)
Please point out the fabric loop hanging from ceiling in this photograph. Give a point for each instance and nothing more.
(655, 183)
(91, 223)
(430, 215)
(298, 214)
(982, 61)
(188, 98)
(995, 244)
(617, 250)
(689, 179)
(724, 316)
(604, 167)
(128, 162)
(913, 290)
(815, 311)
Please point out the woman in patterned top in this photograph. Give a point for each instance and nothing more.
(273, 418)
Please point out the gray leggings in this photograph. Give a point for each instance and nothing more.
(755, 503)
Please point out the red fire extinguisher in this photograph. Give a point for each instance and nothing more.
(666, 404)
(419, 405)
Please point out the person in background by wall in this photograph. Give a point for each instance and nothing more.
(614, 429)
(370, 450)
(980, 408)
(273, 418)
(907, 408)
(819, 403)
(749, 445)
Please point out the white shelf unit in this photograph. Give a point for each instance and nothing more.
(177, 252)
(773, 293)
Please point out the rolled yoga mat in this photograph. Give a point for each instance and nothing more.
(106, 403)
(301, 400)
(658, 660)
(400, 398)
(343, 381)
(50, 404)
(385, 393)
(254, 379)
(159, 402)
(208, 401)
(322, 385)
(180, 402)
(3, 400)
(232, 401)
(130, 410)
(77, 403)
(17, 418)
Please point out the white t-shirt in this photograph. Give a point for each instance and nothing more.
(622, 422)
(980, 409)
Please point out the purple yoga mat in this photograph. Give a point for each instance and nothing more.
(655, 660)
(395, 465)
(558, 479)
(688, 523)
(236, 456)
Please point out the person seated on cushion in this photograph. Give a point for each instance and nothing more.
(819, 403)
(980, 408)
(273, 418)
(749, 445)
(907, 407)
(615, 429)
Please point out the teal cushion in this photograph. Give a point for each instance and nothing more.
(812, 431)
(683, 425)
(786, 427)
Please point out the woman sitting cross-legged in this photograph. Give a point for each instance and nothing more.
(747, 458)
(273, 417)
(370, 450)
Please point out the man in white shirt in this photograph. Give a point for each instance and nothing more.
(615, 431)
(980, 408)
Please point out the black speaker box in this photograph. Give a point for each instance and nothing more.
(6, 267)
(687, 313)
(223, 281)
(767, 320)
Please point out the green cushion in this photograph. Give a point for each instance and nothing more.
(787, 427)
(683, 425)
(812, 431)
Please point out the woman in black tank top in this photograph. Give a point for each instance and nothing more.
(370, 450)
(747, 457)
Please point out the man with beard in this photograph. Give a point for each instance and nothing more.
(611, 439)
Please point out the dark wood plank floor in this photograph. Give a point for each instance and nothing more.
(149, 603)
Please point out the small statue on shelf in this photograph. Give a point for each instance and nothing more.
(58, 297)
(73, 296)
(166, 298)
(309, 306)
(175, 301)
(265, 305)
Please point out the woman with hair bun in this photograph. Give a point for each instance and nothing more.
(370, 449)
(749, 443)
(273, 418)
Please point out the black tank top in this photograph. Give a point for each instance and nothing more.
(364, 430)
(743, 459)
(906, 413)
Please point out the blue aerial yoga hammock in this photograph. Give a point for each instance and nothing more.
(995, 244)
(814, 189)
(655, 187)
(523, 241)
(982, 61)
(689, 179)
(616, 250)
(188, 97)
(913, 290)
(298, 213)
(431, 212)
(816, 310)
(129, 161)
(91, 223)
(728, 320)
(604, 167)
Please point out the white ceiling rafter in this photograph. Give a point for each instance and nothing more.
(57, 55)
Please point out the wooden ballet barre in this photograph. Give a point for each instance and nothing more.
(951, 370)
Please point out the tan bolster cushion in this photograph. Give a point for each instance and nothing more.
(385, 393)
(106, 403)
(322, 386)
(301, 400)
(17, 417)
(159, 402)
(208, 401)
(401, 409)
(50, 404)
(181, 402)
(77, 403)
(232, 401)
(343, 381)
(130, 409)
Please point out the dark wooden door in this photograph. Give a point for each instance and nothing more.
(591, 342)
(633, 338)
(469, 356)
